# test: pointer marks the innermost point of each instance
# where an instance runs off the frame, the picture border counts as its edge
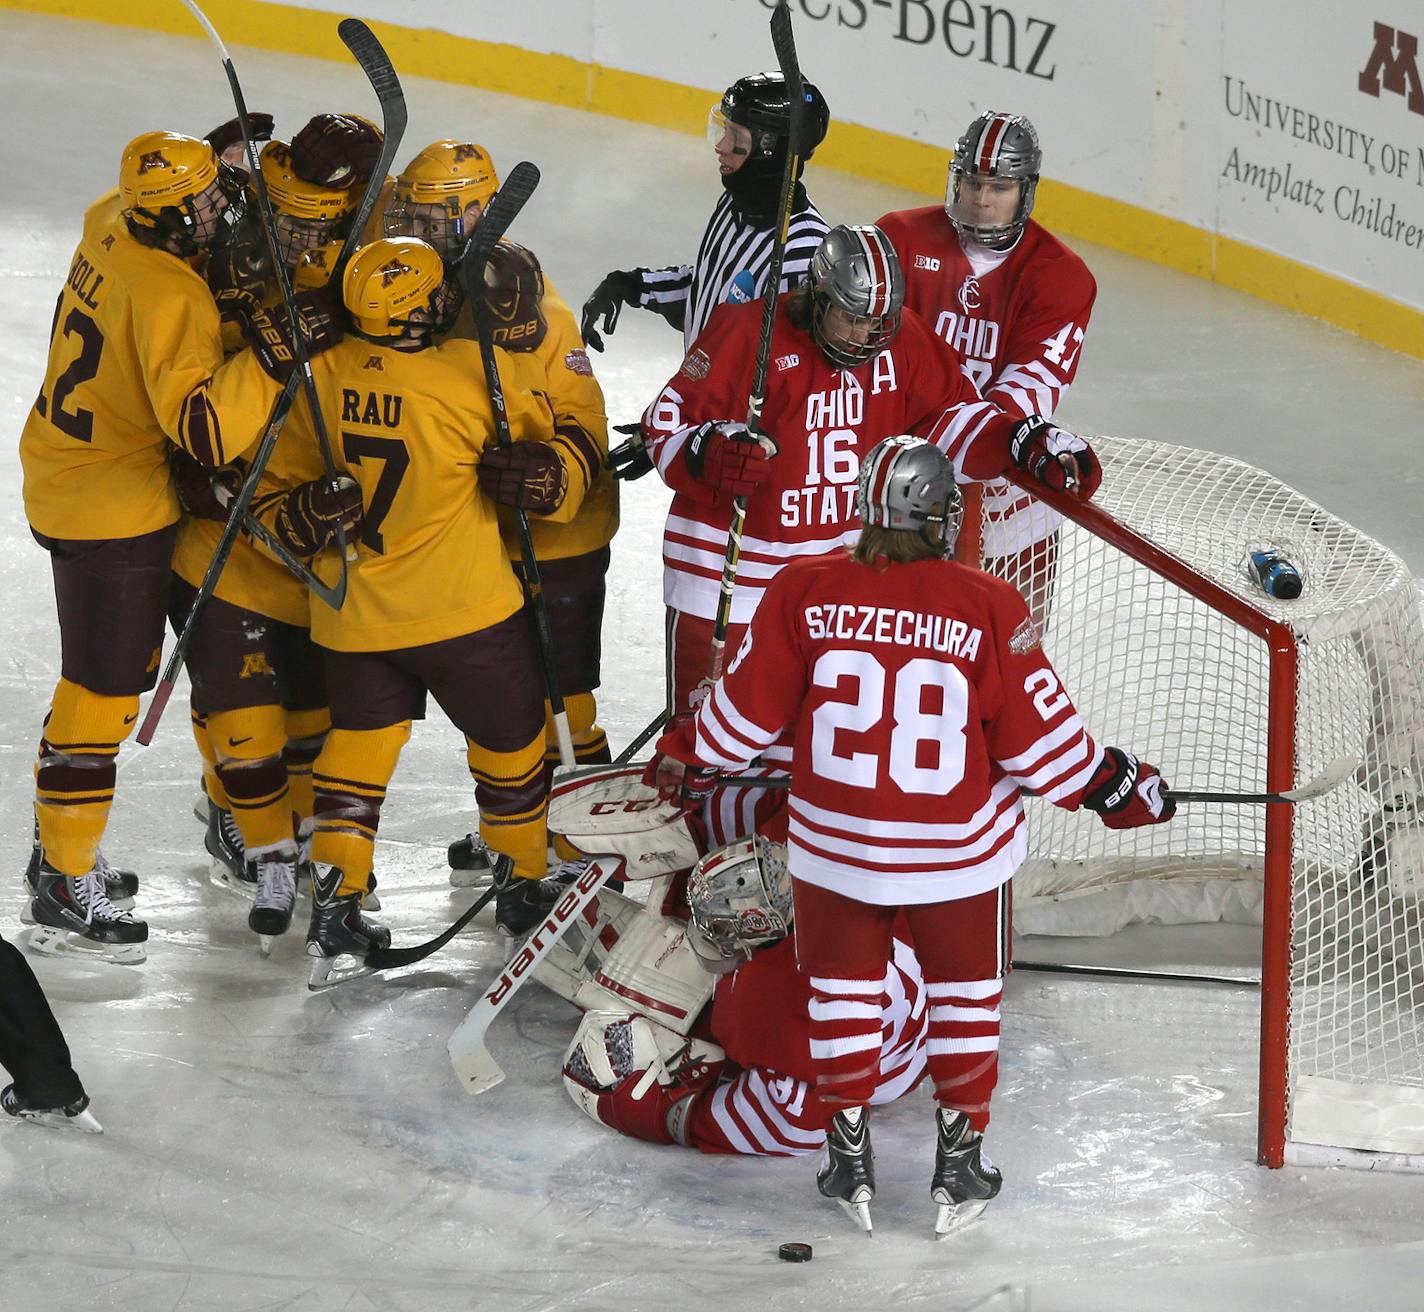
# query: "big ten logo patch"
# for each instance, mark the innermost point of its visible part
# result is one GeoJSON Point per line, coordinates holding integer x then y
{"type": "Point", "coordinates": [927, 262]}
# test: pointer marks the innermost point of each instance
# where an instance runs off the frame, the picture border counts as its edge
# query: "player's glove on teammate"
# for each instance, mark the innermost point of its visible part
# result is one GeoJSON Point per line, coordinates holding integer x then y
{"type": "Point", "coordinates": [1126, 792]}
{"type": "Point", "coordinates": [528, 476]}
{"type": "Point", "coordinates": [202, 492]}
{"type": "Point", "coordinates": [336, 150]}
{"type": "Point", "coordinates": [270, 333]}
{"type": "Point", "coordinates": [308, 515]}
{"type": "Point", "coordinates": [1036, 445]}
{"type": "Point", "coordinates": [728, 456]}
{"type": "Point", "coordinates": [236, 275]}
{"type": "Point", "coordinates": [227, 135]}
{"type": "Point", "coordinates": [621, 287]}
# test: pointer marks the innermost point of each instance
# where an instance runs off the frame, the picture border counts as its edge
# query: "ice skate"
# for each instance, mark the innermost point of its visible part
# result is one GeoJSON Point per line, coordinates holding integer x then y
{"type": "Point", "coordinates": [339, 936]}
{"type": "Point", "coordinates": [120, 885]}
{"type": "Point", "coordinates": [276, 896]}
{"type": "Point", "coordinates": [72, 1116]}
{"type": "Point", "coordinates": [75, 917]}
{"type": "Point", "coordinates": [964, 1177]}
{"type": "Point", "coordinates": [471, 864]}
{"type": "Point", "coordinates": [848, 1172]}
{"type": "Point", "coordinates": [520, 904]}
{"type": "Point", "coordinates": [229, 868]}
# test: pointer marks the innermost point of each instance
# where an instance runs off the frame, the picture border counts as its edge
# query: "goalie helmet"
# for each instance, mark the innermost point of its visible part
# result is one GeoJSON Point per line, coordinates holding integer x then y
{"type": "Point", "coordinates": [740, 900]}
{"type": "Point", "coordinates": [514, 292]}
{"type": "Point", "coordinates": [857, 294]}
{"type": "Point", "coordinates": [432, 193]}
{"type": "Point", "coordinates": [390, 280]}
{"type": "Point", "coordinates": [178, 195]}
{"type": "Point", "coordinates": [307, 216]}
{"type": "Point", "coordinates": [908, 484]}
{"type": "Point", "coordinates": [994, 146]}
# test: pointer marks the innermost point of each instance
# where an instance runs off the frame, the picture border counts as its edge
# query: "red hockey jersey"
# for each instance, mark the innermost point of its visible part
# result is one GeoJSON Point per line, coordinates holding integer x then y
{"type": "Point", "coordinates": [921, 706]}
{"type": "Point", "coordinates": [824, 421]}
{"type": "Point", "coordinates": [1017, 318]}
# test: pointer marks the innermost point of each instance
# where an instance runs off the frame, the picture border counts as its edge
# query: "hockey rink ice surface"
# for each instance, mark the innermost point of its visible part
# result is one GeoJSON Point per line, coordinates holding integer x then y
{"type": "Point", "coordinates": [266, 1147]}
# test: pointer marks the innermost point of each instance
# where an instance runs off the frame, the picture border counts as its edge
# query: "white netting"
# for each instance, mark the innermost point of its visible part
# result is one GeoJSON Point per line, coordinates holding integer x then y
{"type": "Point", "coordinates": [1157, 671]}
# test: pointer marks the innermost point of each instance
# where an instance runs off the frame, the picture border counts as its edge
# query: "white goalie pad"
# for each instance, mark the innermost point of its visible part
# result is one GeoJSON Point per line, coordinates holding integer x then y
{"type": "Point", "coordinates": [617, 956]}
{"type": "Point", "coordinates": [607, 810]}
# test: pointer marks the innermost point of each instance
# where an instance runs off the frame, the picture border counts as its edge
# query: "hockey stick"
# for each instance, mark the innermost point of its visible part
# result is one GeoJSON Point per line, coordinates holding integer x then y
{"type": "Point", "coordinates": [390, 958]}
{"type": "Point", "coordinates": [627, 754]}
{"type": "Point", "coordinates": [299, 569]}
{"type": "Point", "coordinates": [785, 46]}
{"type": "Point", "coordinates": [377, 67]}
{"type": "Point", "coordinates": [332, 595]}
{"type": "Point", "coordinates": [1330, 778]}
{"type": "Point", "coordinates": [476, 1068]}
{"type": "Point", "coordinates": [1122, 972]}
{"type": "Point", "coordinates": [493, 224]}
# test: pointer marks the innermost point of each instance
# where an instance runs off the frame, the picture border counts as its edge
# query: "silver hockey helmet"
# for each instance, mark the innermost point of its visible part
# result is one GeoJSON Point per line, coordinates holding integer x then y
{"type": "Point", "coordinates": [740, 899]}
{"type": "Point", "coordinates": [857, 294]}
{"type": "Point", "coordinates": [1002, 148]}
{"type": "Point", "coordinates": [908, 484]}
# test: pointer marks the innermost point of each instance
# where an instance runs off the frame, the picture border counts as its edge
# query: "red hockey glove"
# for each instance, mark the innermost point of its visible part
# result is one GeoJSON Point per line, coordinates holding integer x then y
{"type": "Point", "coordinates": [269, 332]}
{"type": "Point", "coordinates": [728, 456]}
{"type": "Point", "coordinates": [1126, 792]}
{"type": "Point", "coordinates": [336, 150]}
{"type": "Point", "coordinates": [1041, 449]}
{"type": "Point", "coordinates": [237, 274]}
{"type": "Point", "coordinates": [528, 476]}
{"type": "Point", "coordinates": [308, 516]}
{"type": "Point", "coordinates": [227, 135]}
{"type": "Point", "coordinates": [198, 486]}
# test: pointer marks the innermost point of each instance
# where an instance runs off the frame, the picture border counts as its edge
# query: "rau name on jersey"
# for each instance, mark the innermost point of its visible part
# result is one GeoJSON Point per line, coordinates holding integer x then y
{"type": "Point", "coordinates": [903, 628]}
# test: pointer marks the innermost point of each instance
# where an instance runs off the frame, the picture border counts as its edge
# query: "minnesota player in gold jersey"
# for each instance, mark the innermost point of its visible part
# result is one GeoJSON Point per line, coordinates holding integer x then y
{"type": "Point", "coordinates": [135, 365]}
{"type": "Point", "coordinates": [432, 603]}
{"type": "Point", "coordinates": [440, 197]}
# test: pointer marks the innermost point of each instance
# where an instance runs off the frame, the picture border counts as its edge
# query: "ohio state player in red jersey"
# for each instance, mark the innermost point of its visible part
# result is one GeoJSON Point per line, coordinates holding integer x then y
{"type": "Point", "coordinates": [1014, 303]}
{"type": "Point", "coordinates": [922, 707]}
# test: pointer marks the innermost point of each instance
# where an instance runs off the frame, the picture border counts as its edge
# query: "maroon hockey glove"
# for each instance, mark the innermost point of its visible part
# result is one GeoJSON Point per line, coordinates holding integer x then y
{"type": "Point", "coordinates": [1126, 792]}
{"type": "Point", "coordinates": [727, 456]}
{"type": "Point", "coordinates": [198, 487]}
{"type": "Point", "coordinates": [269, 332]}
{"type": "Point", "coordinates": [310, 512]}
{"type": "Point", "coordinates": [621, 287]}
{"type": "Point", "coordinates": [528, 476]}
{"type": "Point", "coordinates": [336, 150]}
{"type": "Point", "coordinates": [237, 274]}
{"type": "Point", "coordinates": [227, 135]}
{"type": "Point", "coordinates": [1036, 446]}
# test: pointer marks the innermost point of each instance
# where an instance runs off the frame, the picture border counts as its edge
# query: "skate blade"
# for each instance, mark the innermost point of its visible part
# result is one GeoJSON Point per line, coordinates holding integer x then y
{"type": "Point", "coordinates": [327, 972]}
{"type": "Point", "coordinates": [954, 1217]}
{"type": "Point", "coordinates": [200, 809]}
{"type": "Point", "coordinates": [83, 1122]}
{"type": "Point", "coordinates": [264, 944]}
{"type": "Point", "coordinates": [858, 1211]}
{"type": "Point", "coordinates": [371, 902]}
{"type": "Point", "coordinates": [48, 941]}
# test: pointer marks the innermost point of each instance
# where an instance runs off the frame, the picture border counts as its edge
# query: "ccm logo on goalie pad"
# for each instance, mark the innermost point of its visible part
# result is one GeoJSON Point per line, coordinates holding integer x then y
{"type": "Point", "coordinates": [630, 807]}
{"type": "Point", "coordinates": [563, 910]}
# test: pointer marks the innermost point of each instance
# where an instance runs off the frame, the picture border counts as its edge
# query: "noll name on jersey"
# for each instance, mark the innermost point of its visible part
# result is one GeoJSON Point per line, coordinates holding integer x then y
{"type": "Point", "coordinates": [903, 628]}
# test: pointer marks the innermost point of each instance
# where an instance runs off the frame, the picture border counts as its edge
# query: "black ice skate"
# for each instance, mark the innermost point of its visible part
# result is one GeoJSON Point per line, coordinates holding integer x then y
{"type": "Point", "coordinates": [964, 1178]}
{"type": "Point", "coordinates": [275, 898]}
{"type": "Point", "coordinates": [75, 917]}
{"type": "Point", "coordinates": [120, 885]}
{"type": "Point", "coordinates": [471, 862]}
{"type": "Point", "coordinates": [520, 904]}
{"type": "Point", "coordinates": [340, 936]}
{"type": "Point", "coordinates": [229, 868]}
{"type": "Point", "coordinates": [848, 1172]}
{"type": "Point", "coordinates": [72, 1116]}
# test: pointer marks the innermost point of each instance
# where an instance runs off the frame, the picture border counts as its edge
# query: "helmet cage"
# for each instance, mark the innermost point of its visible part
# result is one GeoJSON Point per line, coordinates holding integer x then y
{"type": "Point", "coordinates": [907, 484]}
{"type": "Point", "coordinates": [739, 897]}
{"type": "Point", "coordinates": [196, 223]}
{"type": "Point", "coordinates": [430, 197]}
{"type": "Point", "coordinates": [995, 145]}
{"type": "Point", "coordinates": [855, 270]}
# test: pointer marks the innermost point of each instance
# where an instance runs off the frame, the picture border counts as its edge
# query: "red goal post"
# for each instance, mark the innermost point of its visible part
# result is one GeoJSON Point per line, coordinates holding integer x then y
{"type": "Point", "coordinates": [1171, 650]}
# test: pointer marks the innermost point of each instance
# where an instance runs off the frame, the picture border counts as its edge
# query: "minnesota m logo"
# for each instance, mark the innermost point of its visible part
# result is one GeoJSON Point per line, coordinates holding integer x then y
{"type": "Point", "coordinates": [1394, 65]}
{"type": "Point", "coordinates": [254, 663]}
{"type": "Point", "coordinates": [156, 159]}
{"type": "Point", "coordinates": [467, 152]}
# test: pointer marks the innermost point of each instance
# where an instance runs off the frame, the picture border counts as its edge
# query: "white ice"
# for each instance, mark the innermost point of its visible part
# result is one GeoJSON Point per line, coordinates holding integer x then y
{"type": "Point", "coordinates": [266, 1147]}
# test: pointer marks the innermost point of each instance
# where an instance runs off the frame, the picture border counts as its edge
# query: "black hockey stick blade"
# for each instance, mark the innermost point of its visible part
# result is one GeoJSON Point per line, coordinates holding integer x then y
{"type": "Point", "coordinates": [390, 958]}
{"type": "Point", "coordinates": [1122, 972]}
{"type": "Point", "coordinates": [503, 209]}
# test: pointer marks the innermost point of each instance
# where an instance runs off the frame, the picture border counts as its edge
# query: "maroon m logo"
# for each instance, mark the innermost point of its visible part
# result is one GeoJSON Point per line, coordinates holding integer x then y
{"type": "Point", "coordinates": [1394, 65]}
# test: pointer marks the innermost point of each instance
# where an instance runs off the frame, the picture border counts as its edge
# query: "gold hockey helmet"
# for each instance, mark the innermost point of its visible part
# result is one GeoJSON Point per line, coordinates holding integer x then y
{"type": "Point", "coordinates": [389, 280]}
{"type": "Point", "coordinates": [307, 215]}
{"type": "Point", "coordinates": [314, 267]}
{"type": "Point", "coordinates": [432, 193]}
{"type": "Point", "coordinates": [176, 191]}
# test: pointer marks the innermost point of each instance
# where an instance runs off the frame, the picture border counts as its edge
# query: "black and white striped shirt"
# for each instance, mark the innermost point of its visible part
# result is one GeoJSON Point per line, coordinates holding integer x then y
{"type": "Point", "coordinates": [732, 245]}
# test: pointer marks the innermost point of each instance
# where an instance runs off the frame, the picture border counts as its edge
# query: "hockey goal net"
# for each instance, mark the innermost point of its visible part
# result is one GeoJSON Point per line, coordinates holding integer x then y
{"type": "Point", "coordinates": [1170, 649]}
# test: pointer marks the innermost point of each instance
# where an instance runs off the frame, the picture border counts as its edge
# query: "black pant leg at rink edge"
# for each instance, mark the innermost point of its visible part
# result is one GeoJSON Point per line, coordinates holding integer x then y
{"type": "Point", "coordinates": [32, 1047]}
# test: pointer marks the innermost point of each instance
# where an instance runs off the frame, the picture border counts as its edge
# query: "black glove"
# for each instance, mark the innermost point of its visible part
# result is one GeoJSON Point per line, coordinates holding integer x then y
{"type": "Point", "coordinates": [310, 512]}
{"type": "Point", "coordinates": [227, 135]}
{"type": "Point", "coordinates": [620, 288]}
{"type": "Point", "coordinates": [336, 150]}
{"type": "Point", "coordinates": [269, 332]}
{"type": "Point", "coordinates": [1126, 792]}
{"type": "Point", "coordinates": [527, 475]}
{"type": "Point", "coordinates": [630, 460]}
{"type": "Point", "coordinates": [199, 487]}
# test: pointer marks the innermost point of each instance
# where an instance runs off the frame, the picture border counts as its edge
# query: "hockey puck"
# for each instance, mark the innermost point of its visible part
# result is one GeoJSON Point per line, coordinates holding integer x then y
{"type": "Point", "coordinates": [794, 1252]}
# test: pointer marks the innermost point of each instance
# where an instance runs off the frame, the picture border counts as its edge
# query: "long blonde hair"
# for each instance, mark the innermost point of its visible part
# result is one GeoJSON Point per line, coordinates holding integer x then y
{"type": "Point", "coordinates": [896, 546]}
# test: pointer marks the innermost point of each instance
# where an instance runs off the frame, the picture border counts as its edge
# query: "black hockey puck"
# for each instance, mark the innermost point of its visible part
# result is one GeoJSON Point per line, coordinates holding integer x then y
{"type": "Point", "coordinates": [794, 1252]}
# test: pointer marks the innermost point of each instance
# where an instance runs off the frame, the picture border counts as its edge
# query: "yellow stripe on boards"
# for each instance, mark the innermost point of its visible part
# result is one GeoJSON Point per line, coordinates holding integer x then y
{"type": "Point", "coordinates": [863, 152]}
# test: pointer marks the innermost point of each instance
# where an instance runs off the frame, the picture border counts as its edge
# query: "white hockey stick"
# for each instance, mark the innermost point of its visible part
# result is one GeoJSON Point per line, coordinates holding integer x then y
{"type": "Point", "coordinates": [477, 1069]}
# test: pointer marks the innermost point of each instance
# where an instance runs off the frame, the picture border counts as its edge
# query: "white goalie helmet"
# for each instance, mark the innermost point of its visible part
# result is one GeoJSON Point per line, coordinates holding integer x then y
{"type": "Point", "coordinates": [907, 483]}
{"type": "Point", "coordinates": [740, 899]}
{"type": "Point", "coordinates": [992, 179]}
